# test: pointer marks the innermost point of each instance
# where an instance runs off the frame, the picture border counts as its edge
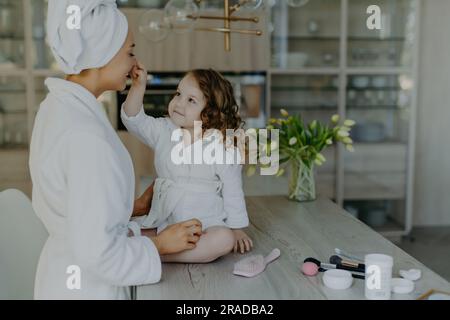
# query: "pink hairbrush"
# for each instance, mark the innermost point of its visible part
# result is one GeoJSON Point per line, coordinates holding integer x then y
{"type": "Point", "coordinates": [255, 264]}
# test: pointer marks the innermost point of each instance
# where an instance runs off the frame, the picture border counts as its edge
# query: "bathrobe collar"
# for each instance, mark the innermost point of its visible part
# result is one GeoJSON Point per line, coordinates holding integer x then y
{"type": "Point", "coordinates": [61, 87]}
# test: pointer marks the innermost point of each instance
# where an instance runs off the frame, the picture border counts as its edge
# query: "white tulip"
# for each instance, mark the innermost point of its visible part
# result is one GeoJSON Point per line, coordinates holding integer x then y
{"type": "Point", "coordinates": [345, 128]}
{"type": "Point", "coordinates": [320, 157]}
{"type": "Point", "coordinates": [292, 141]}
{"type": "Point", "coordinates": [347, 140]}
{"type": "Point", "coordinates": [350, 148]}
{"type": "Point", "coordinates": [284, 113]}
{"type": "Point", "coordinates": [343, 133]}
{"type": "Point", "coordinates": [335, 118]}
{"type": "Point", "coordinates": [349, 123]}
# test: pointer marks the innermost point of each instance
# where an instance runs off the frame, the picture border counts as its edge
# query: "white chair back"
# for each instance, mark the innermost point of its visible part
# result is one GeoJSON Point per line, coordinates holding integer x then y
{"type": "Point", "coordinates": [22, 237]}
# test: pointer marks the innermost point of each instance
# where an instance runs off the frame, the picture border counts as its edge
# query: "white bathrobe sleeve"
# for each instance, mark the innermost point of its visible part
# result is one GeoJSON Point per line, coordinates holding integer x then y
{"type": "Point", "coordinates": [145, 127]}
{"type": "Point", "coordinates": [233, 195]}
{"type": "Point", "coordinates": [97, 213]}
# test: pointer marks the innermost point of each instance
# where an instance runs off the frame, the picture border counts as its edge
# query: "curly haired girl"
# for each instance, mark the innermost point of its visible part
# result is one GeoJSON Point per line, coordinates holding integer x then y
{"type": "Point", "coordinates": [208, 190]}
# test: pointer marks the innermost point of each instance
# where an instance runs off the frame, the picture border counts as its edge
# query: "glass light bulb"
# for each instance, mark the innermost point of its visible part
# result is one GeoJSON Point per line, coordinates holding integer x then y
{"type": "Point", "coordinates": [297, 3]}
{"type": "Point", "coordinates": [181, 15]}
{"type": "Point", "coordinates": [251, 4]}
{"type": "Point", "coordinates": [154, 25]}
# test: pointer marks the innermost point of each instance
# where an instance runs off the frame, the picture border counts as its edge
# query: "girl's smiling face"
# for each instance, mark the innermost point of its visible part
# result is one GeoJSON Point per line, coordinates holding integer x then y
{"type": "Point", "coordinates": [187, 103]}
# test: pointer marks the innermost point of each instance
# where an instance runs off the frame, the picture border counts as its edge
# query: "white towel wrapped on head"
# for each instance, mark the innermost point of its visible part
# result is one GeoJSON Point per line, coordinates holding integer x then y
{"type": "Point", "coordinates": [103, 30]}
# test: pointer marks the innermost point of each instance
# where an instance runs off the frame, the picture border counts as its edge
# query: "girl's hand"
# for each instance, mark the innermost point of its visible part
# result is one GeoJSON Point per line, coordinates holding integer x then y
{"type": "Point", "coordinates": [139, 75]}
{"type": "Point", "coordinates": [243, 243]}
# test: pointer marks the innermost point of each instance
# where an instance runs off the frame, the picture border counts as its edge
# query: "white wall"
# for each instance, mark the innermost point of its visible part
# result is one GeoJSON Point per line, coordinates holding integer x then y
{"type": "Point", "coordinates": [432, 171]}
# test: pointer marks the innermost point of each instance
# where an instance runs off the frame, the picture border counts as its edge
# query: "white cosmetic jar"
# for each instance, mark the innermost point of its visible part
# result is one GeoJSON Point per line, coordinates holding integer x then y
{"type": "Point", "coordinates": [337, 279]}
{"type": "Point", "coordinates": [402, 286]}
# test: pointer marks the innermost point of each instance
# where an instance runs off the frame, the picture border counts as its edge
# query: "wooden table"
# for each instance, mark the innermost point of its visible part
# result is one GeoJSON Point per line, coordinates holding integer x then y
{"type": "Point", "coordinates": [299, 230]}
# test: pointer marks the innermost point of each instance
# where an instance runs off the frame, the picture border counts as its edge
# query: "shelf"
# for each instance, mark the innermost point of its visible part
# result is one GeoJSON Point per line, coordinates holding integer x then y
{"type": "Point", "coordinates": [280, 88]}
{"type": "Point", "coordinates": [203, 7]}
{"type": "Point", "coordinates": [391, 229]}
{"type": "Point", "coordinates": [333, 38]}
{"type": "Point", "coordinates": [12, 38]}
{"type": "Point", "coordinates": [306, 108]}
{"type": "Point", "coordinates": [373, 192]}
{"type": "Point", "coordinates": [391, 144]}
{"type": "Point", "coordinates": [388, 39]}
{"type": "Point", "coordinates": [361, 187]}
{"type": "Point", "coordinates": [337, 71]}
{"type": "Point", "coordinates": [306, 38]}
{"type": "Point", "coordinates": [8, 151]}
{"type": "Point", "coordinates": [47, 73]}
{"type": "Point", "coordinates": [374, 107]}
{"type": "Point", "coordinates": [375, 88]}
{"type": "Point", "coordinates": [128, 6]}
{"type": "Point", "coordinates": [6, 112]}
{"type": "Point", "coordinates": [12, 90]}
{"type": "Point", "coordinates": [12, 72]}
{"type": "Point", "coordinates": [305, 71]}
{"type": "Point", "coordinates": [377, 70]}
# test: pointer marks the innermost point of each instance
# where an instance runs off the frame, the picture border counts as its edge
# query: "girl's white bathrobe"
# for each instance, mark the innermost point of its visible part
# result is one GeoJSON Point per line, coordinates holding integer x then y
{"type": "Point", "coordinates": [204, 188]}
{"type": "Point", "coordinates": [83, 191]}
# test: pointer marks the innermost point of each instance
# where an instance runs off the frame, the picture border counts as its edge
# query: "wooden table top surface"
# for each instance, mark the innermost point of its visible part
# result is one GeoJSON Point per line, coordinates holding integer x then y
{"type": "Point", "coordinates": [299, 230]}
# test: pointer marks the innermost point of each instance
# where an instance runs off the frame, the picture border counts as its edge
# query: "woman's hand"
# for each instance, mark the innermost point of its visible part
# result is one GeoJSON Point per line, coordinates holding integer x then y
{"type": "Point", "coordinates": [139, 76]}
{"type": "Point", "coordinates": [178, 237]}
{"type": "Point", "coordinates": [243, 243]}
{"type": "Point", "coordinates": [143, 204]}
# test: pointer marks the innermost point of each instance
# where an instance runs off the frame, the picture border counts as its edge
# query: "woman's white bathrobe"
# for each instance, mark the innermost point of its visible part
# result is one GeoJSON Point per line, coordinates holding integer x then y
{"type": "Point", "coordinates": [202, 189]}
{"type": "Point", "coordinates": [83, 191]}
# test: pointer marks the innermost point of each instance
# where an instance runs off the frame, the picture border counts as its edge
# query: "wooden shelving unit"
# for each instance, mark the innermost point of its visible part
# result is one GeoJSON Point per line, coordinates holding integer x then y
{"type": "Point", "coordinates": [377, 171]}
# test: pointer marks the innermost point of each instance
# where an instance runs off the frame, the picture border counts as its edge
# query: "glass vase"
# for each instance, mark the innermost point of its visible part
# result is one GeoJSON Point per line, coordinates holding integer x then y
{"type": "Point", "coordinates": [302, 186]}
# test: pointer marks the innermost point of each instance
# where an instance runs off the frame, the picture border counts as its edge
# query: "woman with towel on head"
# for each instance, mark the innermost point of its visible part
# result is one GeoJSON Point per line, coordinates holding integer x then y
{"type": "Point", "coordinates": [83, 179]}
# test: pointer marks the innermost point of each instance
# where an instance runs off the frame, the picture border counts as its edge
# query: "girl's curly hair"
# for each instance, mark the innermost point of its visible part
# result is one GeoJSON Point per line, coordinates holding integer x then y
{"type": "Point", "coordinates": [221, 111]}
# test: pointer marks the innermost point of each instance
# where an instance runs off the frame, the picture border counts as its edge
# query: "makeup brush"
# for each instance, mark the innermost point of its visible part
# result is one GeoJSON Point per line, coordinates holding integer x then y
{"type": "Point", "coordinates": [347, 255]}
{"type": "Point", "coordinates": [334, 266]}
{"type": "Point", "coordinates": [311, 269]}
{"type": "Point", "coordinates": [338, 260]}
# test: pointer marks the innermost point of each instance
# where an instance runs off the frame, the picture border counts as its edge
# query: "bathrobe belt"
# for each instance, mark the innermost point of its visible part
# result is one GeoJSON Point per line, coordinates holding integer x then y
{"type": "Point", "coordinates": [167, 193]}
